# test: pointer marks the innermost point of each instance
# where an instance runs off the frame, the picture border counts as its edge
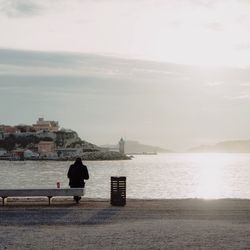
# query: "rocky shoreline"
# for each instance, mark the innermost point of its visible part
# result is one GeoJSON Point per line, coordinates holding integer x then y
{"type": "Point", "coordinates": [87, 156]}
{"type": "Point", "coordinates": [103, 156]}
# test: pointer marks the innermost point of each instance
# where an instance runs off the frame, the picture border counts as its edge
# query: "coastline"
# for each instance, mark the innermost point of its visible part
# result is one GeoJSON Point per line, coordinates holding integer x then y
{"type": "Point", "coordinates": [141, 224]}
{"type": "Point", "coordinates": [87, 156]}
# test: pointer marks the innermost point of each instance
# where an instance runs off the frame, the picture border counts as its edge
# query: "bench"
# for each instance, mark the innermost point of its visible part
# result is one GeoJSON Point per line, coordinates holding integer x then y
{"type": "Point", "coordinates": [48, 192]}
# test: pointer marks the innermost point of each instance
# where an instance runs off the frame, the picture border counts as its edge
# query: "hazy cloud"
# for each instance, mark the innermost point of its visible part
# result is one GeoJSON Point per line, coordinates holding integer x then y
{"type": "Point", "coordinates": [213, 84]}
{"type": "Point", "coordinates": [243, 46]}
{"type": "Point", "coordinates": [215, 26]}
{"type": "Point", "coordinates": [185, 31]}
{"type": "Point", "coordinates": [238, 97]}
{"type": "Point", "coordinates": [20, 8]}
{"type": "Point", "coordinates": [145, 100]}
{"type": "Point", "coordinates": [21, 62]}
{"type": "Point", "coordinates": [245, 84]}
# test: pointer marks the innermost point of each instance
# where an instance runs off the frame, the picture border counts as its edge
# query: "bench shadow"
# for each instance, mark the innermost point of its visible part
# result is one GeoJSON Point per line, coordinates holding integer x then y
{"type": "Point", "coordinates": [103, 216]}
{"type": "Point", "coordinates": [58, 213]}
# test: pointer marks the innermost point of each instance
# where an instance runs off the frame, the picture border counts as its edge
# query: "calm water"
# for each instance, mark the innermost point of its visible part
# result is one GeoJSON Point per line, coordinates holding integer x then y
{"type": "Point", "coordinates": [148, 176]}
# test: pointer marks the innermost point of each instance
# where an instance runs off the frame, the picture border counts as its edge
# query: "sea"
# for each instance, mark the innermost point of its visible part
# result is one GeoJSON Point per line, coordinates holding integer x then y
{"type": "Point", "coordinates": [161, 176]}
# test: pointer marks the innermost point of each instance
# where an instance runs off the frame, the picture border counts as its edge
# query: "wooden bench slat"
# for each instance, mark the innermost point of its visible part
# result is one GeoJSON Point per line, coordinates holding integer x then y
{"type": "Point", "coordinates": [37, 192]}
{"type": "Point", "coordinates": [42, 192]}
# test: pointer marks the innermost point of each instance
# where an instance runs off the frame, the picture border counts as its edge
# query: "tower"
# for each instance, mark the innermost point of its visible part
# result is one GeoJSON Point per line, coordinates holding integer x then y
{"type": "Point", "coordinates": [122, 146]}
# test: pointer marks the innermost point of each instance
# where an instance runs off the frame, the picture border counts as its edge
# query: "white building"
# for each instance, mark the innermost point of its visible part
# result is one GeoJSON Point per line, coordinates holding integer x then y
{"type": "Point", "coordinates": [41, 124]}
{"type": "Point", "coordinates": [2, 151]}
{"type": "Point", "coordinates": [28, 154]}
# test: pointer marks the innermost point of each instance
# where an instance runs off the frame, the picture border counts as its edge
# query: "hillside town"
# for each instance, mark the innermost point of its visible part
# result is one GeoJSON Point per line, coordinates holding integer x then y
{"type": "Point", "coordinates": [45, 140]}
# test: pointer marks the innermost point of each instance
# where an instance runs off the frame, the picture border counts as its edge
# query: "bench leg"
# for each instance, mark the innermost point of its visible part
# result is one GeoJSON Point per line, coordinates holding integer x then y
{"type": "Point", "coordinates": [49, 199]}
{"type": "Point", "coordinates": [3, 198]}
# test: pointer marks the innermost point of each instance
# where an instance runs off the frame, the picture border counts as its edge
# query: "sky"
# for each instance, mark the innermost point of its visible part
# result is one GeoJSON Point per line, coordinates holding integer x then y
{"type": "Point", "coordinates": [174, 74]}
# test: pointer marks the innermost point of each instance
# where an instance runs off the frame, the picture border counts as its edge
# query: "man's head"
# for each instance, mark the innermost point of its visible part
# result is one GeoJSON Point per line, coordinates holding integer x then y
{"type": "Point", "coordinates": [78, 161]}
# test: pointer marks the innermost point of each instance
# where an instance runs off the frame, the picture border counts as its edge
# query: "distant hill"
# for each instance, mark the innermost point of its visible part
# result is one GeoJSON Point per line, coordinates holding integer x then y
{"type": "Point", "coordinates": [138, 148]}
{"type": "Point", "coordinates": [237, 146]}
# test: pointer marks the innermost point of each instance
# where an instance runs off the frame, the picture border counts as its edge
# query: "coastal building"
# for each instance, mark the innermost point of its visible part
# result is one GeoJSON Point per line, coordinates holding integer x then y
{"type": "Point", "coordinates": [122, 146]}
{"type": "Point", "coordinates": [17, 154]}
{"type": "Point", "coordinates": [43, 125]}
{"type": "Point", "coordinates": [29, 154]}
{"type": "Point", "coordinates": [46, 148]}
{"type": "Point", "coordinates": [23, 128]}
{"type": "Point", "coordinates": [2, 151]}
{"type": "Point", "coordinates": [119, 147]}
{"type": "Point", "coordinates": [6, 129]}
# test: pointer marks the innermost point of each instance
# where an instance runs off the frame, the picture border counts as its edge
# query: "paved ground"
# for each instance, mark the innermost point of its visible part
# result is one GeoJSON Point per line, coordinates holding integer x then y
{"type": "Point", "coordinates": [141, 224]}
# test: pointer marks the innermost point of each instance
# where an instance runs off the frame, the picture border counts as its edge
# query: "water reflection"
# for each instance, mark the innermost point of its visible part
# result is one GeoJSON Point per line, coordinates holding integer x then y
{"type": "Point", "coordinates": [166, 176]}
{"type": "Point", "coordinates": [211, 176]}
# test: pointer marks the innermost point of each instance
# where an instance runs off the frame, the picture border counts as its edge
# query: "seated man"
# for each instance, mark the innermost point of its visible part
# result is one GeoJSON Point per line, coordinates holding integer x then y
{"type": "Point", "coordinates": [77, 174]}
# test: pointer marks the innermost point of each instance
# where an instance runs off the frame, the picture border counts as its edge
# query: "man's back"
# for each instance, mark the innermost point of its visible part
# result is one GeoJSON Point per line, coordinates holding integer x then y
{"type": "Point", "coordinates": [77, 174]}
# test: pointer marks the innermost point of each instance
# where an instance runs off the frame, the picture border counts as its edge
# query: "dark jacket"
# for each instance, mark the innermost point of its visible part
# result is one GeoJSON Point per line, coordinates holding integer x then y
{"type": "Point", "coordinates": [77, 174]}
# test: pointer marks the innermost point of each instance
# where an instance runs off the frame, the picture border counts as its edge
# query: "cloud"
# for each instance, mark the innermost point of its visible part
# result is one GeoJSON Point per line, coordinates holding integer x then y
{"type": "Point", "coordinates": [20, 8]}
{"type": "Point", "coordinates": [213, 84]}
{"type": "Point", "coordinates": [23, 62]}
{"type": "Point", "coordinates": [245, 84]}
{"type": "Point", "coordinates": [215, 26]}
{"type": "Point", "coordinates": [26, 64]}
{"type": "Point", "coordinates": [238, 97]}
{"type": "Point", "coordinates": [243, 46]}
{"type": "Point", "coordinates": [93, 89]}
{"type": "Point", "coordinates": [208, 4]}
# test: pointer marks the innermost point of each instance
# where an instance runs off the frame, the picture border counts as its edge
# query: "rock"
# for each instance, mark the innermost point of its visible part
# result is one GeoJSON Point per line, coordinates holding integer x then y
{"type": "Point", "coordinates": [102, 155]}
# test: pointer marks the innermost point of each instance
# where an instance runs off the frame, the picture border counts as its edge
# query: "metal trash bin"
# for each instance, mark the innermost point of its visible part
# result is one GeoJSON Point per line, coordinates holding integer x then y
{"type": "Point", "coordinates": [118, 191]}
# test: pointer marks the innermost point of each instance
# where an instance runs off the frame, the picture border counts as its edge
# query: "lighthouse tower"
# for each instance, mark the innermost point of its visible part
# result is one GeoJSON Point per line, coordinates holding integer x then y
{"type": "Point", "coordinates": [122, 146]}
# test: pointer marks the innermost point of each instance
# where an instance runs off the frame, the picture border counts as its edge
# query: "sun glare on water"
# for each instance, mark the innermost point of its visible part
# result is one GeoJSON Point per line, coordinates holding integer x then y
{"type": "Point", "coordinates": [210, 176]}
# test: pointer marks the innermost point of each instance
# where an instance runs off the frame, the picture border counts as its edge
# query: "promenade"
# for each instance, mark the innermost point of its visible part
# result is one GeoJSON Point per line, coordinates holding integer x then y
{"type": "Point", "coordinates": [141, 224]}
